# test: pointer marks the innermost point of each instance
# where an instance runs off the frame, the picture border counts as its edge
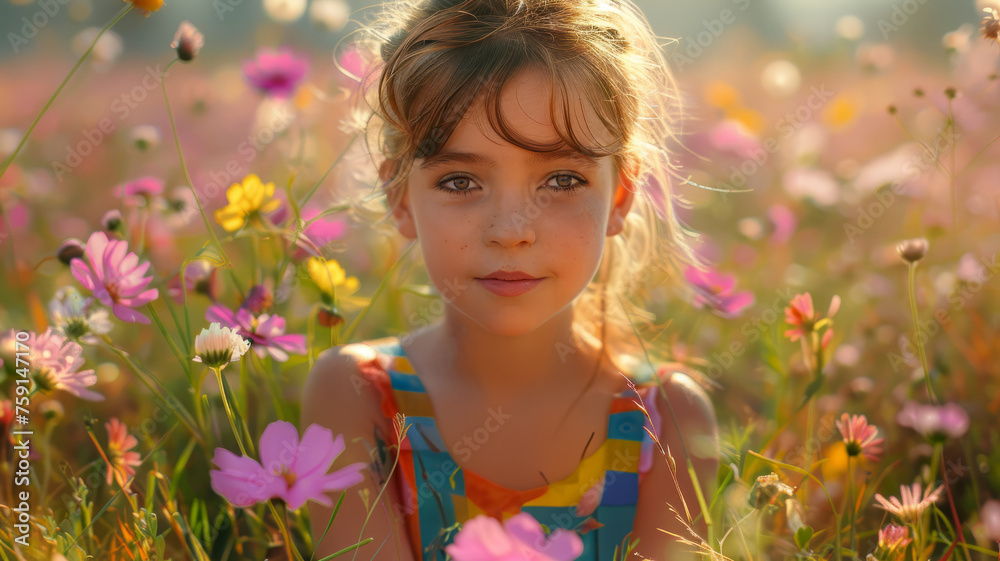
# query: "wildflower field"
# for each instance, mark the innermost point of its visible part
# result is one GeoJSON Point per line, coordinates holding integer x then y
{"type": "Point", "coordinates": [183, 233]}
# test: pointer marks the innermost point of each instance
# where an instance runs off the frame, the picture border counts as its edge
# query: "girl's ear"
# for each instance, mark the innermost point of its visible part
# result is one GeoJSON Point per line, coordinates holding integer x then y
{"type": "Point", "coordinates": [624, 195]}
{"type": "Point", "coordinates": [399, 200]}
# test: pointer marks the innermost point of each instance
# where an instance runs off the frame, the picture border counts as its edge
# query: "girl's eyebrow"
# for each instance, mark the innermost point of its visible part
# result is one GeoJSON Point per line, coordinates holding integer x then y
{"type": "Point", "coordinates": [444, 158]}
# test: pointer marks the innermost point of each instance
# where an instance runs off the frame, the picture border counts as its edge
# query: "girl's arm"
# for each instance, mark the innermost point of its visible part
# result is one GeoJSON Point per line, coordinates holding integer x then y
{"type": "Point", "coordinates": [338, 397]}
{"type": "Point", "coordinates": [696, 419]}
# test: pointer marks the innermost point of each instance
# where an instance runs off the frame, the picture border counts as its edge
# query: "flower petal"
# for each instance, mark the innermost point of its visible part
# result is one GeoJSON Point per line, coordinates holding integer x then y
{"type": "Point", "coordinates": [279, 446]}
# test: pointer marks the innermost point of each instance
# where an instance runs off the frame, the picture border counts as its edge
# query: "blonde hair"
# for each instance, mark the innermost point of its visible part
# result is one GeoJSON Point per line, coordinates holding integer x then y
{"type": "Point", "coordinates": [436, 57]}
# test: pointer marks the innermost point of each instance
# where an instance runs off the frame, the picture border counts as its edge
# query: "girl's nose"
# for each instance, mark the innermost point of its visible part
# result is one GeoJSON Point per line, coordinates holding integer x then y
{"type": "Point", "coordinates": [512, 222]}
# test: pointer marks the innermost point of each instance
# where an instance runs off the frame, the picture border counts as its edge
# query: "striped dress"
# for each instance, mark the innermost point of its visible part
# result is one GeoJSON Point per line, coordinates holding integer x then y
{"type": "Point", "coordinates": [598, 500]}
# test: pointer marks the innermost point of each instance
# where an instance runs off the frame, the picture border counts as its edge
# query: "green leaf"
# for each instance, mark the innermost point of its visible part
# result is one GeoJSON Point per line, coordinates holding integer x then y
{"type": "Point", "coordinates": [802, 536]}
{"type": "Point", "coordinates": [812, 389]}
{"type": "Point", "coordinates": [419, 289]}
{"type": "Point", "coordinates": [210, 253]}
{"type": "Point", "coordinates": [769, 353]}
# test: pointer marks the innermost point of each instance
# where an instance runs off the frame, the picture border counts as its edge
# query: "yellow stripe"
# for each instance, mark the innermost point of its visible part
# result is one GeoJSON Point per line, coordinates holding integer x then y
{"type": "Point", "coordinates": [403, 366]}
{"type": "Point", "coordinates": [614, 454]}
{"type": "Point", "coordinates": [413, 404]}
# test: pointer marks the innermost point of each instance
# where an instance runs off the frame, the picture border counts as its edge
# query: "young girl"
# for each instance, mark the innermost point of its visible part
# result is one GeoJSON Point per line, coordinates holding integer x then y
{"type": "Point", "coordinates": [522, 146]}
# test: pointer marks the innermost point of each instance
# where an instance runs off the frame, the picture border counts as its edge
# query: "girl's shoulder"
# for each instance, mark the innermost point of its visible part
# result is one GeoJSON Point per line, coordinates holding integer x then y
{"type": "Point", "coordinates": [673, 386]}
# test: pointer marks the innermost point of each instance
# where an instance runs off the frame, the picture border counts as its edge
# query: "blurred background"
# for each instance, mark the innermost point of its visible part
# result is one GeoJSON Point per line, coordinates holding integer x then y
{"type": "Point", "coordinates": [855, 123]}
{"type": "Point", "coordinates": [235, 26]}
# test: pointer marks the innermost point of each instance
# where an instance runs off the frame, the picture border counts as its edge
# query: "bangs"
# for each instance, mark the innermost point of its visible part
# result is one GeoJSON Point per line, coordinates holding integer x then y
{"type": "Point", "coordinates": [451, 79]}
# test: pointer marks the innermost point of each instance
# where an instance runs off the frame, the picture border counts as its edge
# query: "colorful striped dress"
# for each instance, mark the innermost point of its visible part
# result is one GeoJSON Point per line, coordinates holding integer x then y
{"type": "Point", "coordinates": [598, 500]}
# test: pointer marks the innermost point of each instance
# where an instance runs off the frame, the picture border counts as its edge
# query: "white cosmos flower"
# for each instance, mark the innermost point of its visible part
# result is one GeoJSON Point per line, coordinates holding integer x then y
{"type": "Point", "coordinates": [218, 346]}
{"type": "Point", "coordinates": [285, 11]}
{"type": "Point", "coordinates": [74, 316]}
{"type": "Point", "coordinates": [331, 15]}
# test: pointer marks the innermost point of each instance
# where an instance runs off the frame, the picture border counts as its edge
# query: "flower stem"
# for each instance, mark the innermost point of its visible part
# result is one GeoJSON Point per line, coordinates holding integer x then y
{"type": "Point", "coordinates": [916, 332]}
{"type": "Point", "coordinates": [187, 176]}
{"type": "Point", "coordinates": [171, 403]}
{"type": "Point", "coordinates": [292, 552]}
{"type": "Point", "coordinates": [229, 411]}
{"type": "Point", "coordinates": [170, 341]}
{"type": "Point", "coordinates": [10, 160]}
{"type": "Point", "coordinates": [319, 182]}
{"type": "Point", "coordinates": [850, 486]}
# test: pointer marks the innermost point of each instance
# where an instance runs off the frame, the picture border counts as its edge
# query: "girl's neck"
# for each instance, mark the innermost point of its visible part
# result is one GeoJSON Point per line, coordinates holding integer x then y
{"type": "Point", "coordinates": [544, 359]}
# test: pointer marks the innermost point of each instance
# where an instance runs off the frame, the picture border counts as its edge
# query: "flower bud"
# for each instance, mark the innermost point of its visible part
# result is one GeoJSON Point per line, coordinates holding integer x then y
{"type": "Point", "coordinates": [144, 137]}
{"type": "Point", "coordinates": [912, 250]}
{"type": "Point", "coordinates": [69, 250]}
{"type": "Point", "coordinates": [328, 317]}
{"type": "Point", "coordinates": [259, 300]}
{"type": "Point", "coordinates": [112, 220]}
{"type": "Point", "coordinates": [188, 41]}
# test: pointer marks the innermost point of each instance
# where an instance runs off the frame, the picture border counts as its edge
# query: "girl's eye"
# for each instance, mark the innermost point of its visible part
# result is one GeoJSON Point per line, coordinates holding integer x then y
{"type": "Point", "coordinates": [463, 185]}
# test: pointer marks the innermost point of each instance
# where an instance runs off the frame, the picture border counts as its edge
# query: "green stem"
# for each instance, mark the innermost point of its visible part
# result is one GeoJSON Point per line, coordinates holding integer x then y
{"type": "Point", "coordinates": [187, 176]}
{"type": "Point", "coordinates": [181, 333]}
{"type": "Point", "coordinates": [229, 411]}
{"type": "Point", "coordinates": [328, 170]}
{"type": "Point", "coordinates": [850, 485]}
{"type": "Point", "coordinates": [174, 406]}
{"type": "Point", "coordinates": [292, 552]}
{"type": "Point", "coordinates": [916, 332]}
{"type": "Point", "coordinates": [3, 168]}
{"type": "Point", "coordinates": [170, 341]}
{"type": "Point", "coordinates": [142, 230]}
{"type": "Point", "coordinates": [254, 258]}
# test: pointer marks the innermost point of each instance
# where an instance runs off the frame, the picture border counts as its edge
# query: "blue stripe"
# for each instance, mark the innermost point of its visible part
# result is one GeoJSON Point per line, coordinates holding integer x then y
{"type": "Point", "coordinates": [627, 425]}
{"type": "Point", "coordinates": [620, 488]}
{"type": "Point", "coordinates": [406, 382]}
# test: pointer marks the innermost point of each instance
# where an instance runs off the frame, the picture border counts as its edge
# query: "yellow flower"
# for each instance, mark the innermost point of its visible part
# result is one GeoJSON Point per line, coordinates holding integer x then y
{"type": "Point", "coordinates": [841, 112]}
{"type": "Point", "coordinates": [147, 6]}
{"type": "Point", "coordinates": [328, 275]}
{"type": "Point", "coordinates": [246, 202]}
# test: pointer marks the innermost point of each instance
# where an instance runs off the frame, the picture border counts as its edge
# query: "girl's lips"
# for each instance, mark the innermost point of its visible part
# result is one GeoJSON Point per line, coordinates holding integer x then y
{"type": "Point", "coordinates": [508, 288]}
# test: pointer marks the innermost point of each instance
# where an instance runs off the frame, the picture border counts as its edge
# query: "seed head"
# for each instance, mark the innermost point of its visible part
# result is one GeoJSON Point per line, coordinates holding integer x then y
{"type": "Point", "coordinates": [912, 250]}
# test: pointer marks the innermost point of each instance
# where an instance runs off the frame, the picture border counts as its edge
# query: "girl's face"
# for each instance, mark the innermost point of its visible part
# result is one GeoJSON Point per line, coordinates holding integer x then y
{"type": "Point", "coordinates": [483, 205]}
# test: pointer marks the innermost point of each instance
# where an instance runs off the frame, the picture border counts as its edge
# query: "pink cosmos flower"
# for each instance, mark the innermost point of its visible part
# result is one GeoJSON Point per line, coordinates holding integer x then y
{"type": "Point", "coordinates": [784, 222]}
{"type": "Point", "coordinates": [115, 278]}
{"type": "Point", "coordinates": [912, 504]}
{"type": "Point", "coordinates": [276, 73]}
{"type": "Point", "coordinates": [521, 538]}
{"type": "Point", "coordinates": [859, 436]}
{"type": "Point", "coordinates": [734, 137]}
{"type": "Point", "coordinates": [802, 316]}
{"type": "Point", "coordinates": [56, 361]}
{"type": "Point", "coordinates": [892, 542]}
{"type": "Point", "coordinates": [934, 422]}
{"type": "Point", "coordinates": [990, 516]}
{"type": "Point", "coordinates": [291, 470]}
{"type": "Point", "coordinates": [715, 289]}
{"type": "Point", "coordinates": [140, 191]}
{"type": "Point", "coordinates": [121, 461]}
{"type": "Point", "coordinates": [319, 233]}
{"type": "Point", "coordinates": [266, 331]}
{"type": "Point", "coordinates": [355, 66]}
